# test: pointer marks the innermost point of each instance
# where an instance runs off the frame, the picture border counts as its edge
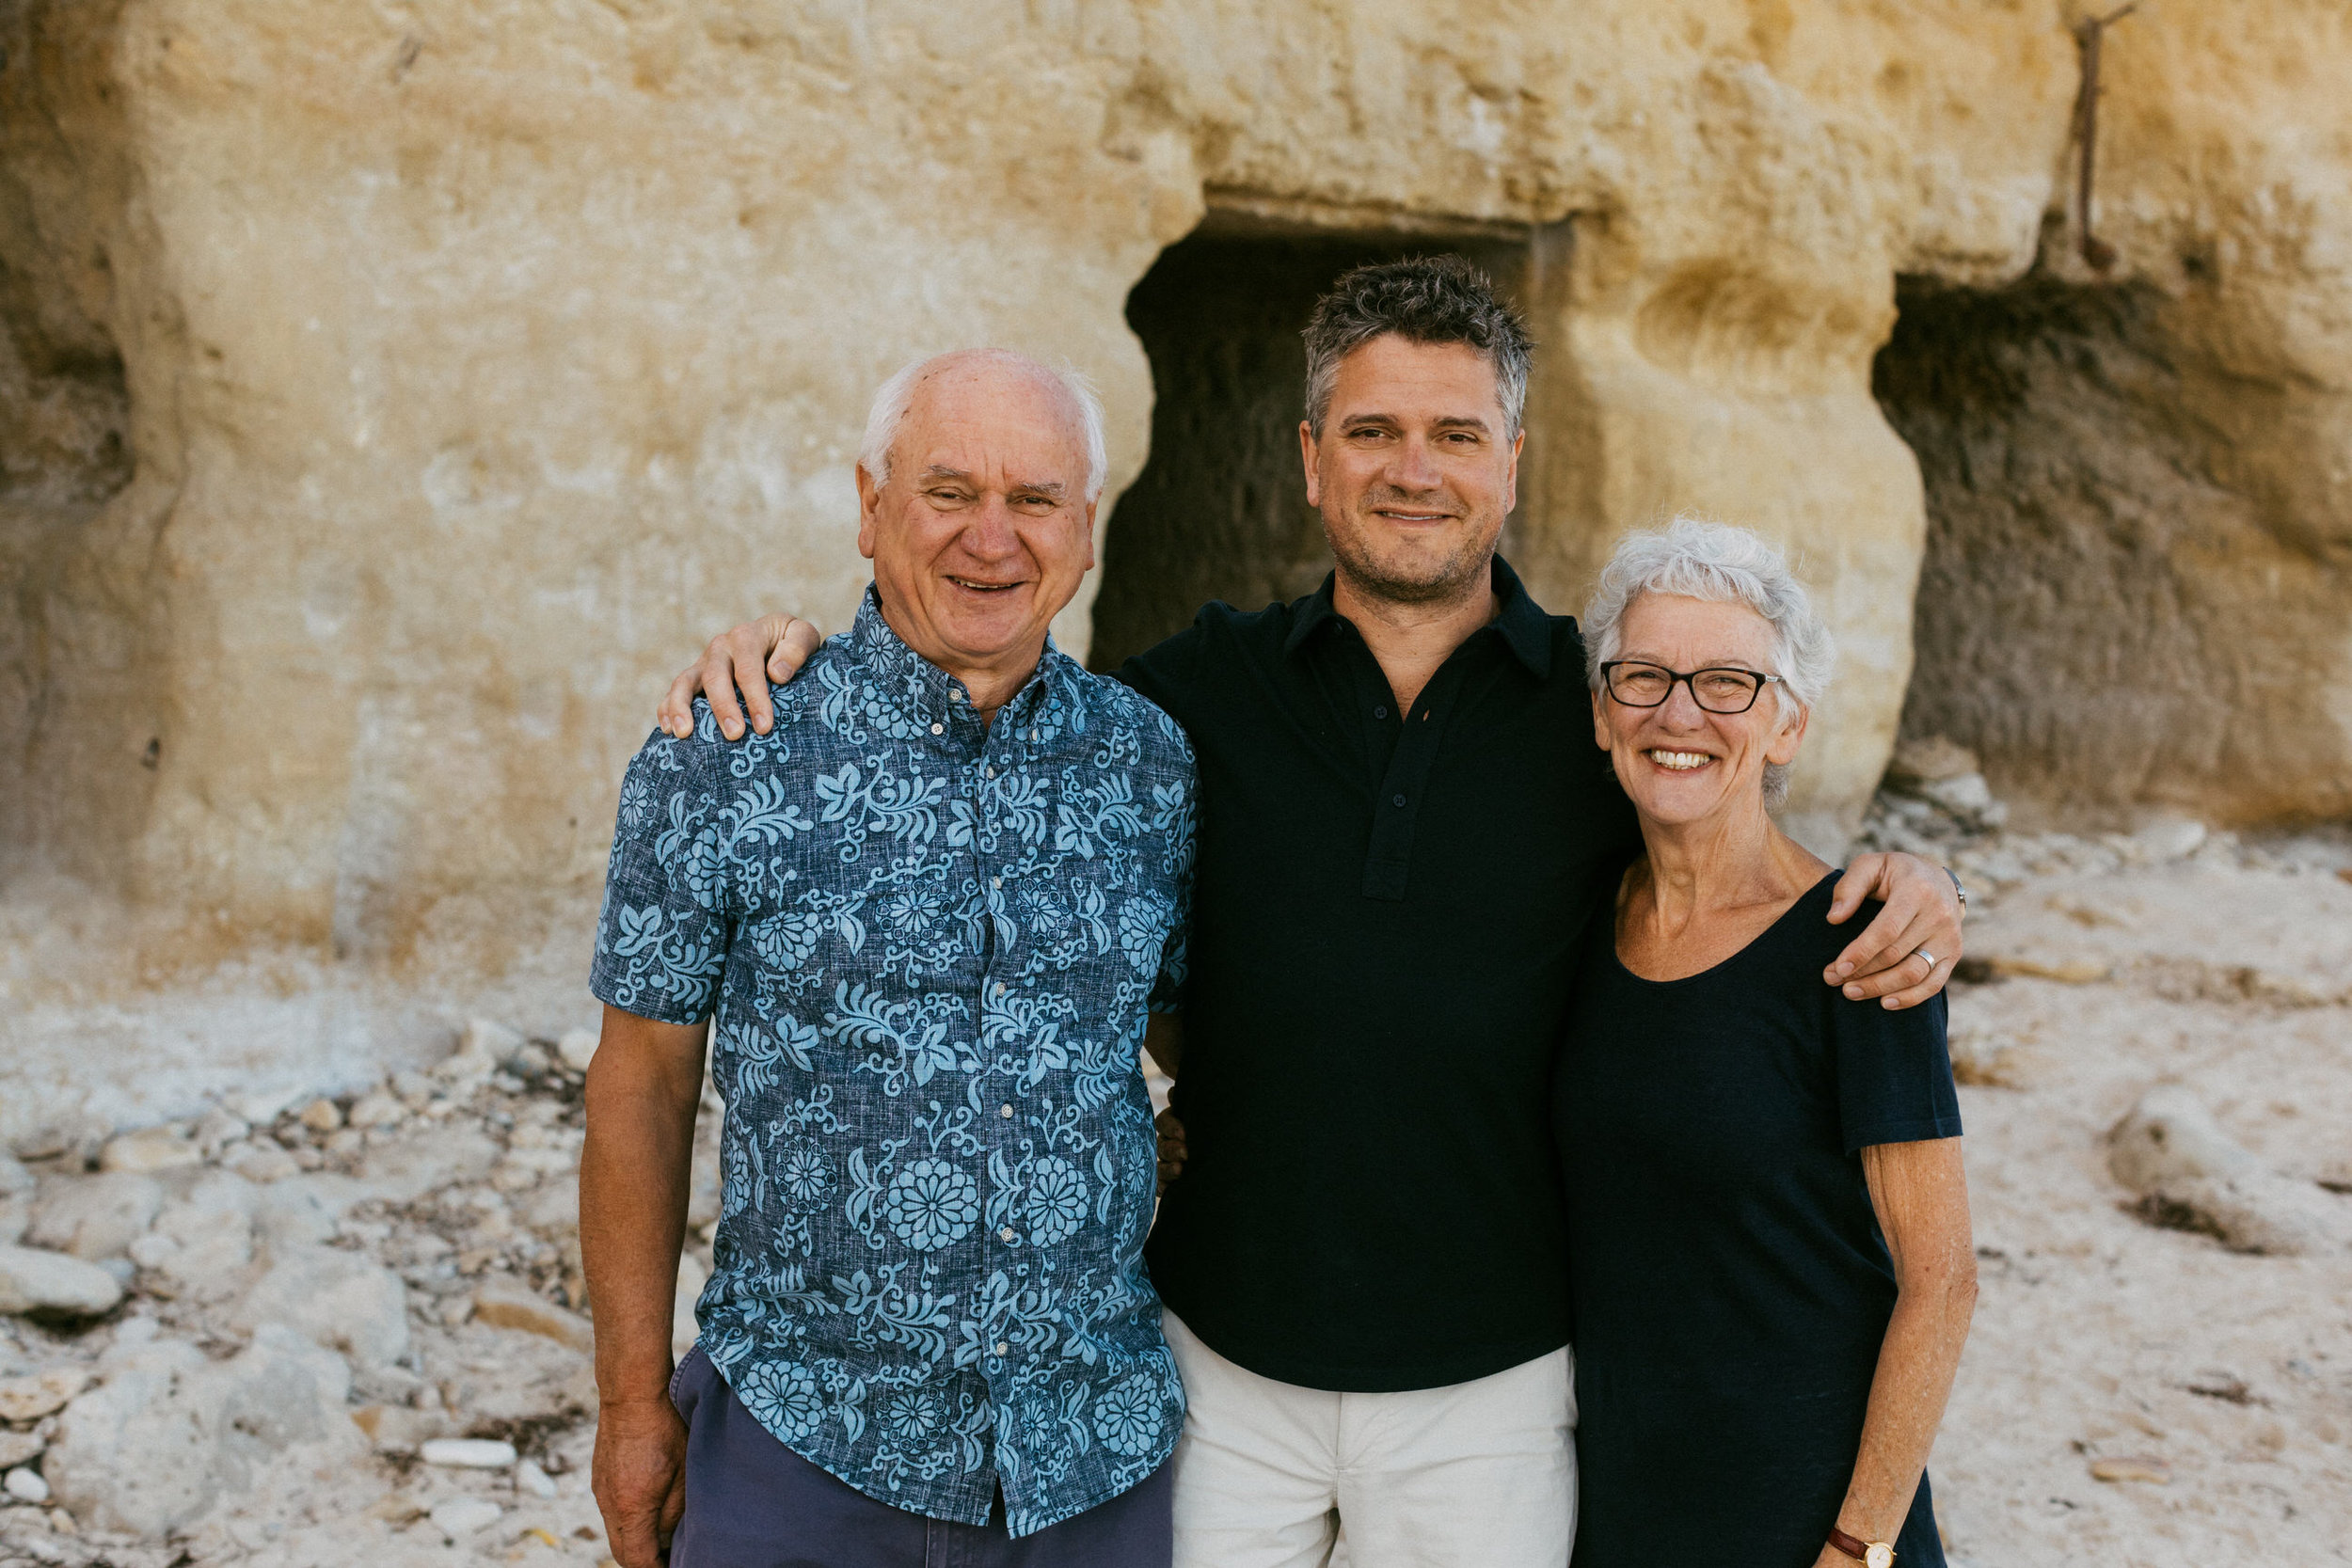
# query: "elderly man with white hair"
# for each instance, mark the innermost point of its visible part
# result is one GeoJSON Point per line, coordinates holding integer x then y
{"type": "Point", "coordinates": [932, 908]}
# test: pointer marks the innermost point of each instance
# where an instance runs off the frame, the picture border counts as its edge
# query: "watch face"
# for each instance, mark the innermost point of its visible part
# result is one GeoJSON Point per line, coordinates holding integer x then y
{"type": "Point", "coordinates": [1880, 1555]}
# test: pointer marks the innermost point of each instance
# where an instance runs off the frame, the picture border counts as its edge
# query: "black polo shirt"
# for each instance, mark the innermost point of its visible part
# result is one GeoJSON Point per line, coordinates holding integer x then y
{"type": "Point", "coordinates": [1385, 931]}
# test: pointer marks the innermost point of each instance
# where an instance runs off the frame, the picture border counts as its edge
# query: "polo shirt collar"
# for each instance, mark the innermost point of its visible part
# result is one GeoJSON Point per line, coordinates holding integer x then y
{"type": "Point", "coordinates": [1521, 622]}
{"type": "Point", "coordinates": [924, 691]}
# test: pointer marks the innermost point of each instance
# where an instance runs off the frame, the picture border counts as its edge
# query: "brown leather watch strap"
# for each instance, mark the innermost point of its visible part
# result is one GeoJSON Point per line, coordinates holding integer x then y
{"type": "Point", "coordinates": [1858, 1550]}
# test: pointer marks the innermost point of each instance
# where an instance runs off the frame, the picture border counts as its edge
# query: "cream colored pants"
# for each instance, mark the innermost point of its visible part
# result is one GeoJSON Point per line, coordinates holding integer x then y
{"type": "Point", "coordinates": [1269, 1475]}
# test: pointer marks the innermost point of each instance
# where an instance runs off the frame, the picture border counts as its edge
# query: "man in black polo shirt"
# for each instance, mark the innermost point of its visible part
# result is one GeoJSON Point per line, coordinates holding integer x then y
{"type": "Point", "coordinates": [1405, 832]}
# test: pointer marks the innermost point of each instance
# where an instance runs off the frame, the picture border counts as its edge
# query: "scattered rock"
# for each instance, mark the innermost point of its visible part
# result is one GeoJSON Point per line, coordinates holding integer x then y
{"type": "Point", "coordinates": [463, 1516]}
{"type": "Point", "coordinates": [50, 1284]}
{"type": "Point", "coordinates": [469, 1453]}
{"type": "Point", "coordinates": [530, 1478]}
{"type": "Point", "coordinates": [504, 1304]}
{"type": "Point", "coordinates": [399, 1427]}
{"type": "Point", "coordinates": [2191, 1176]}
{"type": "Point", "coordinates": [322, 1116]}
{"type": "Point", "coordinates": [2172, 838]}
{"type": "Point", "coordinates": [170, 1433]}
{"type": "Point", "coordinates": [25, 1485]}
{"type": "Point", "coordinates": [95, 1216]}
{"type": "Point", "coordinates": [28, 1399]}
{"type": "Point", "coordinates": [19, 1447]}
{"type": "Point", "coordinates": [2132, 1467]}
{"type": "Point", "coordinates": [482, 1050]}
{"type": "Point", "coordinates": [577, 1048]}
{"type": "Point", "coordinates": [149, 1150]}
{"type": "Point", "coordinates": [338, 1299]}
{"type": "Point", "coordinates": [261, 1162]}
{"type": "Point", "coordinates": [378, 1108]}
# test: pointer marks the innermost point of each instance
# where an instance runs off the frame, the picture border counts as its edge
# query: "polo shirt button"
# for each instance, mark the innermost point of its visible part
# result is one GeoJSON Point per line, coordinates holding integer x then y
{"type": "Point", "coordinates": [1003, 1348]}
{"type": "Point", "coordinates": [999, 882]}
{"type": "Point", "coordinates": [1000, 988]}
{"type": "Point", "coordinates": [1400, 800]}
{"type": "Point", "coordinates": [1005, 1235]}
{"type": "Point", "coordinates": [989, 772]}
{"type": "Point", "coordinates": [939, 729]}
{"type": "Point", "coordinates": [1379, 713]}
{"type": "Point", "coordinates": [1006, 1113]}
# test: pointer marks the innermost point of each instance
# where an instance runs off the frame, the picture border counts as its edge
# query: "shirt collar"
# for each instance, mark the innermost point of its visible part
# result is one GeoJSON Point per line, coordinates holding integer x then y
{"type": "Point", "coordinates": [929, 694]}
{"type": "Point", "coordinates": [1520, 622]}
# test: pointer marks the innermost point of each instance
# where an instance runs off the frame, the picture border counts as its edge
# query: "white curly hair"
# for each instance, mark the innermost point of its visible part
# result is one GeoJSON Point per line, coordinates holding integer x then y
{"type": "Point", "coordinates": [1716, 562]}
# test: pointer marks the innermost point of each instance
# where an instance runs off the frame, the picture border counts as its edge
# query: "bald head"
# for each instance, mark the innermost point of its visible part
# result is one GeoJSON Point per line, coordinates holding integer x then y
{"type": "Point", "coordinates": [982, 370]}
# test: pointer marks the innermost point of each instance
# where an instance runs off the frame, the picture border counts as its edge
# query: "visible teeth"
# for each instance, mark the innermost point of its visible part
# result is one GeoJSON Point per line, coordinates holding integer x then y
{"type": "Point", "coordinates": [1680, 761]}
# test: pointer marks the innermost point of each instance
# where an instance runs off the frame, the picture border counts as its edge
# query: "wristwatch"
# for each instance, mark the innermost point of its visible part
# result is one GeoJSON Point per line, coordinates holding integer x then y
{"type": "Point", "coordinates": [1871, 1554]}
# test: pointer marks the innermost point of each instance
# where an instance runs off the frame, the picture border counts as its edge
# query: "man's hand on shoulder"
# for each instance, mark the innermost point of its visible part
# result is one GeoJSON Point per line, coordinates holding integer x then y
{"type": "Point", "coordinates": [638, 1478]}
{"type": "Point", "coordinates": [1907, 954]}
{"type": "Point", "coordinates": [744, 660]}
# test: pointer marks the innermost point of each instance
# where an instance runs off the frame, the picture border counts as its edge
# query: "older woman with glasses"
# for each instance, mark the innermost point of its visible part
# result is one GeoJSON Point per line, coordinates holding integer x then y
{"type": "Point", "coordinates": [1774, 1273]}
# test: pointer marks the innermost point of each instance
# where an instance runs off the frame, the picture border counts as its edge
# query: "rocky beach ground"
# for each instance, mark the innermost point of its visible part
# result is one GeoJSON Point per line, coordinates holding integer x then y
{"type": "Point", "coordinates": [353, 1330]}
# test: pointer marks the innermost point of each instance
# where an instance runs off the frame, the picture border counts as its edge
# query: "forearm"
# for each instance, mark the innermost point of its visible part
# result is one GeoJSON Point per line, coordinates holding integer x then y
{"type": "Point", "coordinates": [635, 1170]}
{"type": "Point", "coordinates": [1917, 1361]}
{"type": "Point", "coordinates": [1164, 1037]}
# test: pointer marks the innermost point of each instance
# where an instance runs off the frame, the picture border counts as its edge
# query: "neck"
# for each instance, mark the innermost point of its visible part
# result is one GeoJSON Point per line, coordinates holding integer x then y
{"type": "Point", "coordinates": [989, 679]}
{"type": "Point", "coordinates": [1410, 638]}
{"type": "Point", "coordinates": [1734, 859]}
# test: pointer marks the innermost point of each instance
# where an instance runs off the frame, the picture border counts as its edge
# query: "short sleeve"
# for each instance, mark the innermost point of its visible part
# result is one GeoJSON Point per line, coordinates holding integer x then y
{"type": "Point", "coordinates": [1893, 1073]}
{"type": "Point", "coordinates": [662, 940]}
{"type": "Point", "coordinates": [1168, 989]}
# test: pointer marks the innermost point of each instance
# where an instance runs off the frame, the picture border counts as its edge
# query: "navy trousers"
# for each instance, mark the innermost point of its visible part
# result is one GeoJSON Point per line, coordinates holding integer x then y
{"type": "Point", "coordinates": [751, 1502]}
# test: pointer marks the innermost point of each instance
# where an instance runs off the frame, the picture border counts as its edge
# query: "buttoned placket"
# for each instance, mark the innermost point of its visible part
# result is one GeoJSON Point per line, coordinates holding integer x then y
{"type": "Point", "coordinates": [1409, 741]}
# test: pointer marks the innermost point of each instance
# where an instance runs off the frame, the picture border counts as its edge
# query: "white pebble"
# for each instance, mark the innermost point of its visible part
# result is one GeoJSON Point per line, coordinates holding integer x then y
{"type": "Point", "coordinates": [464, 1515]}
{"type": "Point", "coordinates": [469, 1453]}
{"type": "Point", "coordinates": [530, 1478]}
{"type": "Point", "coordinates": [24, 1484]}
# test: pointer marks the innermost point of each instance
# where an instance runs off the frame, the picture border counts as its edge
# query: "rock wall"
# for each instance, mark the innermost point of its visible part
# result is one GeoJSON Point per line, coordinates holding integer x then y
{"type": "Point", "coordinates": [477, 358]}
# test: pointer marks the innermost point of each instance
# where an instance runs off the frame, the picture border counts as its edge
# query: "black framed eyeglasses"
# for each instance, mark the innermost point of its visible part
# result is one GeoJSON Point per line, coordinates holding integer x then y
{"type": "Point", "coordinates": [1725, 688]}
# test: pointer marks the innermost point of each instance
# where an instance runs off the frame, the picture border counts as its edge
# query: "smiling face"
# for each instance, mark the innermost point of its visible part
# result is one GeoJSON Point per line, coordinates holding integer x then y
{"type": "Point", "coordinates": [1679, 762]}
{"type": "Point", "coordinates": [983, 530]}
{"type": "Point", "coordinates": [1415, 469]}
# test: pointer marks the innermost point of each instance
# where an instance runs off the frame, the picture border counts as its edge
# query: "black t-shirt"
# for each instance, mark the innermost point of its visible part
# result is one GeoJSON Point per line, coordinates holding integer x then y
{"type": "Point", "coordinates": [1386, 925]}
{"type": "Point", "coordinates": [1732, 1289]}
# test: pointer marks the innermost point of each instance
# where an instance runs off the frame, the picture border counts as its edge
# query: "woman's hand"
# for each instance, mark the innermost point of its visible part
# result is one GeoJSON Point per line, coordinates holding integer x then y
{"type": "Point", "coordinates": [1172, 1148]}
{"type": "Point", "coordinates": [745, 659]}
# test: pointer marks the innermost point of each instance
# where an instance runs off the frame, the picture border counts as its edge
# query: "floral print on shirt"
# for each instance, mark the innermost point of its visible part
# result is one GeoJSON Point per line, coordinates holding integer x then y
{"type": "Point", "coordinates": [931, 947]}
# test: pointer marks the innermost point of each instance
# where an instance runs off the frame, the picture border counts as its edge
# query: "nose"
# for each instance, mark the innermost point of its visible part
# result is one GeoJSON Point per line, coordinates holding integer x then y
{"type": "Point", "coordinates": [1412, 467]}
{"type": "Point", "coordinates": [988, 531]}
{"type": "Point", "coordinates": [1681, 710]}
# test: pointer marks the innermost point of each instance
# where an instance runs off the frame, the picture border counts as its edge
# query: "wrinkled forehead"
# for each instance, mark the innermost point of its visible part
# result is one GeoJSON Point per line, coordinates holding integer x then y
{"type": "Point", "coordinates": [1678, 630]}
{"type": "Point", "coordinates": [997, 422]}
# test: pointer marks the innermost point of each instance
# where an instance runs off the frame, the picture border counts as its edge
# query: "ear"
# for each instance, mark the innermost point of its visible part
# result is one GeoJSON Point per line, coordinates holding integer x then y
{"type": "Point", "coordinates": [1307, 460]}
{"type": "Point", "coordinates": [1092, 507]}
{"type": "Point", "coordinates": [1510, 475]}
{"type": "Point", "coordinates": [1783, 749]}
{"type": "Point", "coordinates": [1601, 737]}
{"type": "Point", "coordinates": [868, 512]}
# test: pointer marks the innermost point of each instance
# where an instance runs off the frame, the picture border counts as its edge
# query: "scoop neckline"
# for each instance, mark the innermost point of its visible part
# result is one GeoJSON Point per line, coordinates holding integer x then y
{"type": "Point", "coordinates": [1729, 958]}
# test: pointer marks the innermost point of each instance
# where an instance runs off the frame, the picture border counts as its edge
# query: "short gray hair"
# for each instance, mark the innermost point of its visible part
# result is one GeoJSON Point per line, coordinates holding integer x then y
{"type": "Point", "coordinates": [1435, 299]}
{"type": "Point", "coordinates": [1716, 562]}
{"type": "Point", "coordinates": [889, 410]}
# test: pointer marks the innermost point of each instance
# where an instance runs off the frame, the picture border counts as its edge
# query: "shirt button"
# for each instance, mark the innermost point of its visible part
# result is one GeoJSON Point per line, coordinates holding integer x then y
{"type": "Point", "coordinates": [1005, 1235]}
{"type": "Point", "coordinates": [1379, 713]}
{"type": "Point", "coordinates": [999, 882]}
{"type": "Point", "coordinates": [1002, 1348]}
{"type": "Point", "coordinates": [1000, 988]}
{"type": "Point", "coordinates": [989, 772]}
{"type": "Point", "coordinates": [1006, 1113]}
{"type": "Point", "coordinates": [939, 729]}
{"type": "Point", "coordinates": [1400, 800]}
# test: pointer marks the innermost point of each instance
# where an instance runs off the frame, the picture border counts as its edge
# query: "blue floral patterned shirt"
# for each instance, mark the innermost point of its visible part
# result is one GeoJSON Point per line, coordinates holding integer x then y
{"type": "Point", "coordinates": [932, 946]}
